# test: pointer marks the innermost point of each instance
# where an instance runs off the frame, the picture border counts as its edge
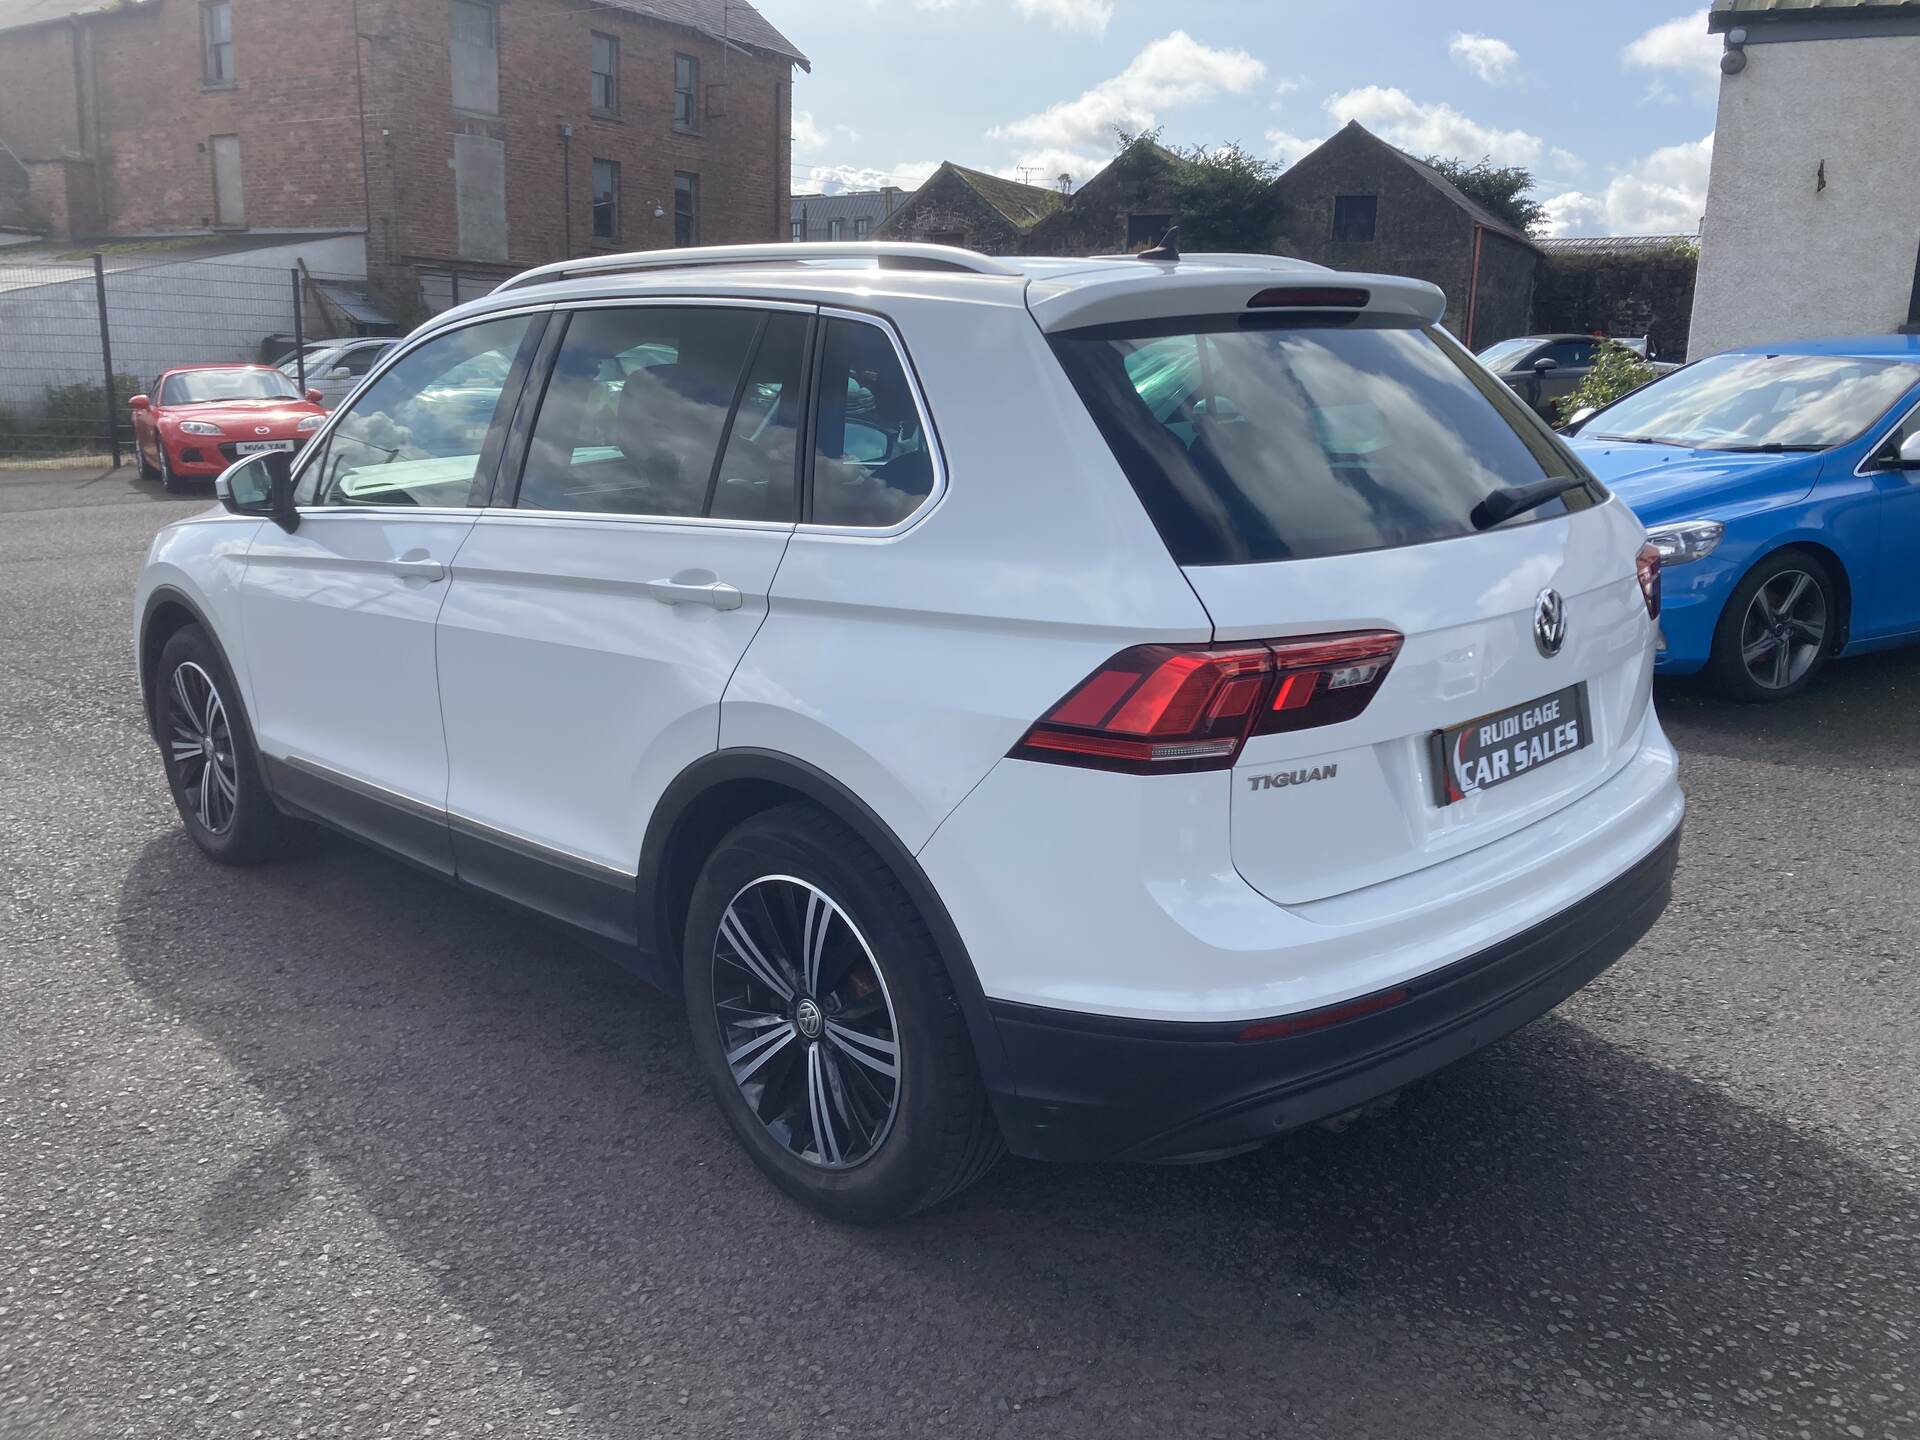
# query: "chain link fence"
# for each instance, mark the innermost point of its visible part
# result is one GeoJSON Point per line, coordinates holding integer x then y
{"type": "Point", "coordinates": [78, 339]}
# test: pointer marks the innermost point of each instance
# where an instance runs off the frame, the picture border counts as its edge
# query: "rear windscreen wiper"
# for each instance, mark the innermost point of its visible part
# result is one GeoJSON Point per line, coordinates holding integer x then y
{"type": "Point", "coordinates": [1511, 500]}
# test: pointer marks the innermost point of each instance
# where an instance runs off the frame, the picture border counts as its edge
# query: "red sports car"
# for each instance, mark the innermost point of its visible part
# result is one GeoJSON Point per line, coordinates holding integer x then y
{"type": "Point", "coordinates": [201, 418]}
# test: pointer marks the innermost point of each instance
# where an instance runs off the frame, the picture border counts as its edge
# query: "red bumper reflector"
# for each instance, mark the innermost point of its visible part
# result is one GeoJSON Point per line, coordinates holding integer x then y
{"type": "Point", "coordinates": [1311, 1020]}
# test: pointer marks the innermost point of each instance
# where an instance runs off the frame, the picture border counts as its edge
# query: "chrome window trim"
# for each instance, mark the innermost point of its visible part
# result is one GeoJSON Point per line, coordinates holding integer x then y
{"type": "Point", "coordinates": [373, 377]}
{"type": "Point", "coordinates": [937, 491]}
{"type": "Point", "coordinates": [1866, 469]}
{"type": "Point", "coordinates": [611, 517]}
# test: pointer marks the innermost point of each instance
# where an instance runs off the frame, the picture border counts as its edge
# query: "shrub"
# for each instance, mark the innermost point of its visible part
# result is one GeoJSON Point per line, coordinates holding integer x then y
{"type": "Point", "coordinates": [1616, 371]}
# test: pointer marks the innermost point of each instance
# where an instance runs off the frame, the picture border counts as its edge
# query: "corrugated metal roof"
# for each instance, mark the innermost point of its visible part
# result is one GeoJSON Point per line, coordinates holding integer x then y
{"type": "Point", "coordinates": [1768, 5]}
{"type": "Point", "coordinates": [1613, 244]}
{"type": "Point", "coordinates": [358, 305]}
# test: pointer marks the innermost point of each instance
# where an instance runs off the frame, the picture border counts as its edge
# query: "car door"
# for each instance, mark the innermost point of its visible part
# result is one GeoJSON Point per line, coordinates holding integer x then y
{"type": "Point", "coordinates": [602, 602]}
{"type": "Point", "coordinates": [338, 615]}
{"type": "Point", "coordinates": [1896, 598]}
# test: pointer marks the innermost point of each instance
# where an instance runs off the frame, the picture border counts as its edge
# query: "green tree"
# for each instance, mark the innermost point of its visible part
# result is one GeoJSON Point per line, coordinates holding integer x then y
{"type": "Point", "coordinates": [1223, 194]}
{"type": "Point", "coordinates": [1616, 371]}
{"type": "Point", "coordinates": [1503, 189]}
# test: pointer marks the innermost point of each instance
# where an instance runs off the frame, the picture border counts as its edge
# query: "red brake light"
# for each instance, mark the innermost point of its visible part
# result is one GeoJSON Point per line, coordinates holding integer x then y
{"type": "Point", "coordinates": [1165, 709]}
{"type": "Point", "coordinates": [1648, 568]}
{"type": "Point", "coordinates": [1325, 297]}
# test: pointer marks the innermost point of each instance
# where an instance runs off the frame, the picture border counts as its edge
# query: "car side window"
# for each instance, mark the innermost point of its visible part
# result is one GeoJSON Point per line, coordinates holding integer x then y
{"type": "Point", "coordinates": [415, 438]}
{"type": "Point", "coordinates": [873, 462]}
{"type": "Point", "coordinates": [755, 479]}
{"type": "Point", "coordinates": [635, 410]}
{"type": "Point", "coordinates": [1570, 352]}
{"type": "Point", "coordinates": [358, 361]}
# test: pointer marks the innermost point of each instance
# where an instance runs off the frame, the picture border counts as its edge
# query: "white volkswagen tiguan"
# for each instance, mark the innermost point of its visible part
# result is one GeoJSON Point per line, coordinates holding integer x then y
{"type": "Point", "coordinates": [1103, 709]}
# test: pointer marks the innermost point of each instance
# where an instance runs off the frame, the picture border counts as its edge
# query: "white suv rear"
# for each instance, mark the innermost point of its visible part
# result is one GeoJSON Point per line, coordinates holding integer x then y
{"type": "Point", "coordinates": [1104, 709]}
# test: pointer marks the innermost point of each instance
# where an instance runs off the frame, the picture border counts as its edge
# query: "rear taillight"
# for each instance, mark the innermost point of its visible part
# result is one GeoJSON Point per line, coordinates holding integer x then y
{"type": "Point", "coordinates": [1166, 709]}
{"type": "Point", "coordinates": [1648, 566]}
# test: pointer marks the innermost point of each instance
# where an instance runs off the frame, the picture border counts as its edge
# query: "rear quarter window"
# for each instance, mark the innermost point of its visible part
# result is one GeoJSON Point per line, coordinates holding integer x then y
{"type": "Point", "coordinates": [1253, 439]}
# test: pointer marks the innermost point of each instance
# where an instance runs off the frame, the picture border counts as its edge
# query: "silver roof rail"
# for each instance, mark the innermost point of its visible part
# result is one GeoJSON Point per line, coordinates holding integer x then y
{"type": "Point", "coordinates": [889, 256]}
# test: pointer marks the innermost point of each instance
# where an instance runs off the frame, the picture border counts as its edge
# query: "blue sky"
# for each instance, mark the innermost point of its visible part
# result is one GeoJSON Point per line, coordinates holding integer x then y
{"type": "Point", "coordinates": [1611, 105]}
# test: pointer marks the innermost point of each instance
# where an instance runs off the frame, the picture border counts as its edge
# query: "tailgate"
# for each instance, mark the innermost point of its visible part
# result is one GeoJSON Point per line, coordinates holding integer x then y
{"type": "Point", "coordinates": [1327, 810]}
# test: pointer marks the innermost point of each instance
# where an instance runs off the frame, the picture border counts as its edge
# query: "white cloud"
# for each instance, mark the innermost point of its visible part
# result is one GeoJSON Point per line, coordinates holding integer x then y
{"type": "Point", "coordinates": [1663, 193]}
{"type": "Point", "coordinates": [1046, 166]}
{"type": "Point", "coordinates": [1288, 148]}
{"type": "Point", "coordinates": [1680, 47]}
{"type": "Point", "coordinates": [1439, 129]}
{"type": "Point", "coordinates": [1089, 15]}
{"type": "Point", "coordinates": [838, 179]}
{"type": "Point", "coordinates": [1492, 60]}
{"type": "Point", "coordinates": [808, 136]}
{"type": "Point", "coordinates": [1173, 70]}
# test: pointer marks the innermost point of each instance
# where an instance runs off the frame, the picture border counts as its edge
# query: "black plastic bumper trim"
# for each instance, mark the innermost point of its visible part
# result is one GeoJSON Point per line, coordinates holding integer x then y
{"type": "Point", "coordinates": [1092, 1087]}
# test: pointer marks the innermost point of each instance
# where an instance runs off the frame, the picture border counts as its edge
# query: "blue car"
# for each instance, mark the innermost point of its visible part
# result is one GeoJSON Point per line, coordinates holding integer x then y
{"type": "Point", "coordinates": [1781, 486]}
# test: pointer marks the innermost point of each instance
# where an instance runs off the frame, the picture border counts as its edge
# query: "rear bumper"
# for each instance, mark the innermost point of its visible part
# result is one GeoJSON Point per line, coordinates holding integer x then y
{"type": "Point", "coordinates": [1088, 1087]}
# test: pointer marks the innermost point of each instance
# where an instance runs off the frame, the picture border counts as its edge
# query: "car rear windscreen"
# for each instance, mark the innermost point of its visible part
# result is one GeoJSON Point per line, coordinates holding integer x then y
{"type": "Point", "coordinates": [1263, 438]}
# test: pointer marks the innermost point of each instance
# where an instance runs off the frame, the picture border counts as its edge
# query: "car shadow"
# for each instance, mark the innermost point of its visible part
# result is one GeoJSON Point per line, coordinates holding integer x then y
{"type": "Point", "coordinates": [1592, 1239]}
{"type": "Point", "coordinates": [1861, 713]}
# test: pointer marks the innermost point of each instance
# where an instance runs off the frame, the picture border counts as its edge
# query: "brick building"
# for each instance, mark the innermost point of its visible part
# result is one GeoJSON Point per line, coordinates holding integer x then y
{"type": "Point", "coordinates": [1358, 203]}
{"type": "Point", "coordinates": [850, 215]}
{"type": "Point", "coordinates": [470, 137]}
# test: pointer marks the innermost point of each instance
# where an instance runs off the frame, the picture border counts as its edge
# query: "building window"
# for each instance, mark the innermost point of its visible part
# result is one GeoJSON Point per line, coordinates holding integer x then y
{"type": "Point", "coordinates": [799, 231]}
{"type": "Point", "coordinates": [476, 57]}
{"type": "Point", "coordinates": [686, 208]}
{"type": "Point", "coordinates": [861, 224]}
{"type": "Point", "coordinates": [1147, 230]}
{"type": "Point", "coordinates": [836, 230]}
{"type": "Point", "coordinates": [686, 85]}
{"type": "Point", "coordinates": [606, 200]}
{"type": "Point", "coordinates": [1354, 217]}
{"type": "Point", "coordinates": [216, 35]}
{"type": "Point", "coordinates": [606, 73]}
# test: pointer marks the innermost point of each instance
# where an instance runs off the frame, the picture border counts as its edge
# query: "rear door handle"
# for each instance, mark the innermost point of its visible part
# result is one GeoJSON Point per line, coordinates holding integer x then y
{"type": "Point", "coordinates": [411, 568]}
{"type": "Point", "coordinates": [716, 594]}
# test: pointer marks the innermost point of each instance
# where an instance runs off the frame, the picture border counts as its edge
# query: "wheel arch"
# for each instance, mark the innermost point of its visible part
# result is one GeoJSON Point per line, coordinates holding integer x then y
{"type": "Point", "coordinates": [168, 610]}
{"type": "Point", "coordinates": [720, 790]}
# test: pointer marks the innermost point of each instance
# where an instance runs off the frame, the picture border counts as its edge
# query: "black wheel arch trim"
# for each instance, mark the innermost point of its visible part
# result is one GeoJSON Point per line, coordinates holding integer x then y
{"type": "Point", "coordinates": [722, 767]}
{"type": "Point", "coordinates": [172, 595]}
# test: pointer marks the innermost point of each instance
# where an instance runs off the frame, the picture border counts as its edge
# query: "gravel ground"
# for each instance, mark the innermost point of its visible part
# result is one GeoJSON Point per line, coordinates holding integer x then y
{"type": "Point", "coordinates": [336, 1149]}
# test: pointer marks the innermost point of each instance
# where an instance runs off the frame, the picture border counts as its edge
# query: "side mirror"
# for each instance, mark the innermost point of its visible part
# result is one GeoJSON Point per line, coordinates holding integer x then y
{"type": "Point", "coordinates": [315, 397]}
{"type": "Point", "coordinates": [1544, 364]}
{"type": "Point", "coordinates": [139, 402]}
{"type": "Point", "coordinates": [261, 485]}
{"type": "Point", "coordinates": [1909, 457]}
{"type": "Point", "coordinates": [1579, 418]}
{"type": "Point", "coordinates": [340, 372]}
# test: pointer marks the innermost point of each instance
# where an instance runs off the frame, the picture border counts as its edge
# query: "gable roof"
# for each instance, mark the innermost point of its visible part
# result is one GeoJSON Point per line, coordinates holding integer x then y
{"type": "Point", "coordinates": [1472, 208]}
{"type": "Point", "coordinates": [733, 20]}
{"type": "Point", "coordinates": [1021, 205]}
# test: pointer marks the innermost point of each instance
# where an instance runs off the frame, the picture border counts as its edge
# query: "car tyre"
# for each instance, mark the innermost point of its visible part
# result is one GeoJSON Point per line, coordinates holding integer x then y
{"type": "Point", "coordinates": [1778, 628]}
{"type": "Point", "coordinates": [169, 481]}
{"type": "Point", "coordinates": [213, 767]}
{"type": "Point", "coordinates": [797, 1050]}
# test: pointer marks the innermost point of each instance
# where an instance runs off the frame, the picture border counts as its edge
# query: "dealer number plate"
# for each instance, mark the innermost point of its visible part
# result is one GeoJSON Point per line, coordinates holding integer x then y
{"type": "Point", "coordinates": [1504, 746]}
